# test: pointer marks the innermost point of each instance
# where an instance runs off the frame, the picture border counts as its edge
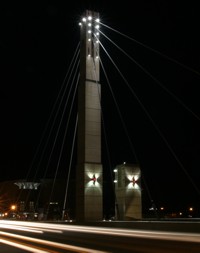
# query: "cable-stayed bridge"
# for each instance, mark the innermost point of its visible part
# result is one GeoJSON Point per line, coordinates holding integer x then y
{"type": "Point", "coordinates": [143, 121]}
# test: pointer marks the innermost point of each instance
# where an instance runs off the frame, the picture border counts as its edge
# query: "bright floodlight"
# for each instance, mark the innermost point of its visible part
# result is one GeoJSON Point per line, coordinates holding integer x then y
{"type": "Point", "coordinates": [89, 18]}
{"type": "Point", "coordinates": [97, 20]}
{"type": "Point", "coordinates": [97, 26]}
{"type": "Point", "coordinates": [89, 24]}
{"type": "Point", "coordinates": [89, 31]}
{"type": "Point", "coordinates": [84, 19]}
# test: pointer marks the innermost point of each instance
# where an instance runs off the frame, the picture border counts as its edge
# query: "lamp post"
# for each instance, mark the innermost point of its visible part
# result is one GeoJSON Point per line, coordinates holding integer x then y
{"type": "Point", "coordinates": [13, 209]}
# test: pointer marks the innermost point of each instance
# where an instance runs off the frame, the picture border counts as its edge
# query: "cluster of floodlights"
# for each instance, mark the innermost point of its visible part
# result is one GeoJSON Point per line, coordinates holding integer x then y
{"type": "Point", "coordinates": [90, 23]}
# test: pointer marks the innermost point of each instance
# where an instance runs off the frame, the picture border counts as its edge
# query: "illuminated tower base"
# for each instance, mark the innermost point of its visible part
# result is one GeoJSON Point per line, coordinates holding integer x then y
{"type": "Point", "coordinates": [128, 192]}
{"type": "Point", "coordinates": [89, 204]}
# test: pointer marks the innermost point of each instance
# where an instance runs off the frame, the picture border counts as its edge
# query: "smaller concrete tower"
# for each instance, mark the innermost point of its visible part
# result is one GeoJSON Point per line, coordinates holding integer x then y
{"type": "Point", "coordinates": [128, 191]}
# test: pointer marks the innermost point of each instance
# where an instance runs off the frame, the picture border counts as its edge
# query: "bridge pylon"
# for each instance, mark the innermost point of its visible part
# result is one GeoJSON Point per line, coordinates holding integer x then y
{"type": "Point", "coordinates": [89, 172]}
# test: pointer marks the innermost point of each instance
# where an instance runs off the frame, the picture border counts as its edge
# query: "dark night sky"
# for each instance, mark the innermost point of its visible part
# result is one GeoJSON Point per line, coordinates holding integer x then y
{"type": "Point", "coordinates": [37, 43]}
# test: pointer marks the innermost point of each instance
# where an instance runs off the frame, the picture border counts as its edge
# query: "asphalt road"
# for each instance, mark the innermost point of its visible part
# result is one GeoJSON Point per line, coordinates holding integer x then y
{"type": "Point", "coordinates": [40, 237]}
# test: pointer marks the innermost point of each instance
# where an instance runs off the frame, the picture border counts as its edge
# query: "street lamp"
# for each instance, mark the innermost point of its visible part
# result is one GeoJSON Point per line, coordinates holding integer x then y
{"type": "Point", "coordinates": [13, 207]}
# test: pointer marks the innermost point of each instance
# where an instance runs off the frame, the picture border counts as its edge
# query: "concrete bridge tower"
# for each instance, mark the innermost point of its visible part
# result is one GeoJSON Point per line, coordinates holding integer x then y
{"type": "Point", "coordinates": [89, 203]}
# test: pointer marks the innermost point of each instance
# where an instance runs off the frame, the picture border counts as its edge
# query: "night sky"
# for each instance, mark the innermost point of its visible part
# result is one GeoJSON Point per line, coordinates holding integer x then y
{"type": "Point", "coordinates": [37, 44]}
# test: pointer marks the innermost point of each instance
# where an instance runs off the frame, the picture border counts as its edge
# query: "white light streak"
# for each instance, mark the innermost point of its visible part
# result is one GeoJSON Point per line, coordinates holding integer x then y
{"type": "Point", "coordinates": [21, 246]}
{"type": "Point", "coordinates": [32, 230]}
{"type": "Point", "coordinates": [28, 229]}
{"type": "Point", "coordinates": [175, 236]}
{"type": "Point", "coordinates": [48, 243]}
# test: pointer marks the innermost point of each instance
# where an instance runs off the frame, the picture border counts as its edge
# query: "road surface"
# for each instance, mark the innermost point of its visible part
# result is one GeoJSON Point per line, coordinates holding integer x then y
{"type": "Point", "coordinates": [41, 237]}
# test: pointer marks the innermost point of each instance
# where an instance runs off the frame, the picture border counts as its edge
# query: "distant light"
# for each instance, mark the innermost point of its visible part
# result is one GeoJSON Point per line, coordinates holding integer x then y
{"type": "Point", "coordinates": [89, 55]}
{"type": "Point", "coordinates": [97, 20]}
{"type": "Point", "coordinates": [89, 18]}
{"type": "Point", "coordinates": [97, 33]}
{"type": "Point", "coordinates": [89, 24]}
{"type": "Point", "coordinates": [89, 31]}
{"type": "Point", "coordinates": [97, 41]}
{"type": "Point", "coordinates": [115, 181]}
{"type": "Point", "coordinates": [115, 170]}
{"type": "Point", "coordinates": [97, 26]}
{"type": "Point", "coordinates": [89, 39]}
{"type": "Point", "coordinates": [97, 57]}
{"type": "Point", "coordinates": [13, 207]}
{"type": "Point", "coordinates": [84, 19]}
{"type": "Point", "coordinates": [80, 23]}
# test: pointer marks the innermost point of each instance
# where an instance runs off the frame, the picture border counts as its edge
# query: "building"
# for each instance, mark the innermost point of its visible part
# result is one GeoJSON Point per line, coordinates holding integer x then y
{"type": "Point", "coordinates": [41, 200]}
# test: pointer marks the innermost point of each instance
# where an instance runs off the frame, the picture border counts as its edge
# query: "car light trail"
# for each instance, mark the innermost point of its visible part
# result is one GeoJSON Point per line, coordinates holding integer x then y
{"type": "Point", "coordinates": [24, 247]}
{"type": "Point", "coordinates": [34, 230]}
{"type": "Point", "coordinates": [28, 229]}
{"type": "Point", "coordinates": [175, 236]}
{"type": "Point", "coordinates": [46, 243]}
